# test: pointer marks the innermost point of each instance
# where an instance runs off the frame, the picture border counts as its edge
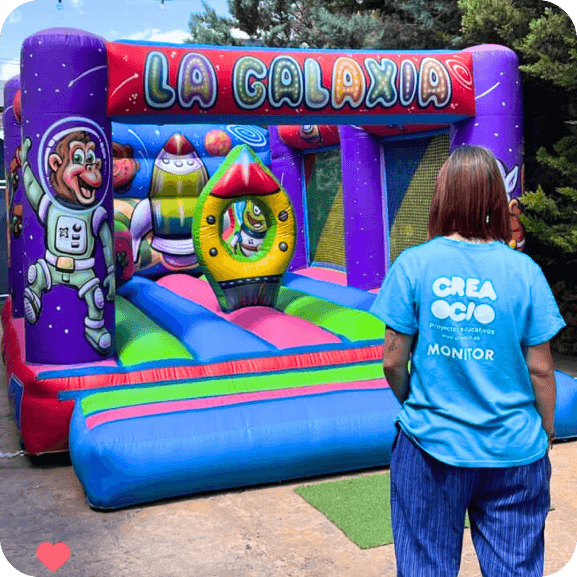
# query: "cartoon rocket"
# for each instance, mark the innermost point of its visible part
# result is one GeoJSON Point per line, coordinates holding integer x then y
{"type": "Point", "coordinates": [178, 178]}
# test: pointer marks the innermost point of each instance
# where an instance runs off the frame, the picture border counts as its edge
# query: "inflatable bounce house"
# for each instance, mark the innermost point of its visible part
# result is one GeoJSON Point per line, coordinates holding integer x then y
{"type": "Point", "coordinates": [196, 237]}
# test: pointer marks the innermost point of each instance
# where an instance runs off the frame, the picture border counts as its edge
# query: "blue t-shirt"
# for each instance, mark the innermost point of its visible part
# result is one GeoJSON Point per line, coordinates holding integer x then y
{"type": "Point", "coordinates": [474, 308]}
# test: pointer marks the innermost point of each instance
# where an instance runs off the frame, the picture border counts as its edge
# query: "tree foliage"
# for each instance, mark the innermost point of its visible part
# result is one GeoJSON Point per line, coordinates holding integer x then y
{"type": "Point", "coordinates": [497, 21]}
{"type": "Point", "coordinates": [209, 28]}
{"type": "Point", "coordinates": [551, 215]}
{"type": "Point", "coordinates": [354, 24]}
{"type": "Point", "coordinates": [550, 47]}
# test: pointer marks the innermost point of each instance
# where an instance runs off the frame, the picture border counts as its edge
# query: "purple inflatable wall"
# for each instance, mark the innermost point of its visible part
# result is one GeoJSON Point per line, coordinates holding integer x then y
{"type": "Point", "coordinates": [69, 245]}
{"type": "Point", "coordinates": [14, 193]}
{"type": "Point", "coordinates": [498, 124]}
{"type": "Point", "coordinates": [287, 164]}
{"type": "Point", "coordinates": [363, 207]}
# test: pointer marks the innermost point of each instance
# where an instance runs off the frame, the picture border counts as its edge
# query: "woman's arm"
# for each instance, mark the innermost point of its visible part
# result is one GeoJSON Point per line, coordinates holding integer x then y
{"type": "Point", "coordinates": [396, 354]}
{"type": "Point", "coordinates": [542, 373]}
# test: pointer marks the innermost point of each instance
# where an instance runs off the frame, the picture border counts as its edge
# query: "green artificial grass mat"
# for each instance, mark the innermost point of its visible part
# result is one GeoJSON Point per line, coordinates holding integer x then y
{"type": "Point", "coordinates": [359, 507]}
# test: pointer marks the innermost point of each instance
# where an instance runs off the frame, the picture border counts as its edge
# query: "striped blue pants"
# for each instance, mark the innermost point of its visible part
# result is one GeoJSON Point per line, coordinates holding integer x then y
{"type": "Point", "coordinates": [507, 509]}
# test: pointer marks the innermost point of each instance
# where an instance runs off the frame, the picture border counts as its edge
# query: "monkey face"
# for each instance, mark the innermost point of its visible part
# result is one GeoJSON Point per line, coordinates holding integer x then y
{"type": "Point", "coordinates": [77, 175]}
{"type": "Point", "coordinates": [82, 175]}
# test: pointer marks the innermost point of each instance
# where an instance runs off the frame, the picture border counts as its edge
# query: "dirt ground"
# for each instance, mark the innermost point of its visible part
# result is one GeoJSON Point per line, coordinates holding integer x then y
{"type": "Point", "coordinates": [265, 531]}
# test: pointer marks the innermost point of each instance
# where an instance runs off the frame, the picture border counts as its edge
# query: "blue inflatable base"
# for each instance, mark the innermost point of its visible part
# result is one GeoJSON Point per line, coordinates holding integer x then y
{"type": "Point", "coordinates": [566, 407]}
{"type": "Point", "coordinates": [155, 457]}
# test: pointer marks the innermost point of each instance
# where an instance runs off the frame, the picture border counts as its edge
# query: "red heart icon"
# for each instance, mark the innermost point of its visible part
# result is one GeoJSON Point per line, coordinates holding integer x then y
{"type": "Point", "coordinates": [53, 556]}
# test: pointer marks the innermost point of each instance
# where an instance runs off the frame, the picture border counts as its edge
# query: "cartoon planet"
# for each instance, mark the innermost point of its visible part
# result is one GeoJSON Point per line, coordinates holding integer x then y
{"type": "Point", "coordinates": [217, 143]}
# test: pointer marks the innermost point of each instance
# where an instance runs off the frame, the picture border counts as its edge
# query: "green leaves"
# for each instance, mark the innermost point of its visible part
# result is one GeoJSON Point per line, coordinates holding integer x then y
{"type": "Point", "coordinates": [378, 24]}
{"type": "Point", "coordinates": [209, 28]}
{"type": "Point", "coordinates": [551, 45]}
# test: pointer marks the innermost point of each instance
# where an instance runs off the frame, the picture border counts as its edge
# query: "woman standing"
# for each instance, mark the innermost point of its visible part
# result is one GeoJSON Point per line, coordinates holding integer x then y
{"type": "Point", "coordinates": [477, 415]}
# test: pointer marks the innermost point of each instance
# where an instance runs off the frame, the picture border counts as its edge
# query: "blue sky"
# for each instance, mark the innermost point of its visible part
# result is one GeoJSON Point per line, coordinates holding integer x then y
{"type": "Point", "coordinates": [111, 19]}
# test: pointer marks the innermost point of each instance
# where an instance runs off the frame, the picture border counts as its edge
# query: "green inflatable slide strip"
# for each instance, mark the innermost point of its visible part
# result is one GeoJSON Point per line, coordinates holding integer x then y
{"type": "Point", "coordinates": [230, 385]}
{"type": "Point", "coordinates": [353, 324]}
{"type": "Point", "coordinates": [139, 340]}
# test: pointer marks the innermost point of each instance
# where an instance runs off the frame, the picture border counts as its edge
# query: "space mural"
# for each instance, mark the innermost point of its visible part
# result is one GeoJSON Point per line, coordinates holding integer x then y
{"type": "Point", "coordinates": [158, 175]}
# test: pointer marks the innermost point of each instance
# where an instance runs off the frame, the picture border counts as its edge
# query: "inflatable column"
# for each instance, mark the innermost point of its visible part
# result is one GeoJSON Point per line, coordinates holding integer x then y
{"type": "Point", "coordinates": [365, 239]}
{"type": "Point", "coordinates": [14, 192]}
{"type": "Point", "coordinates": [287, 166]}
{"type": "Point", "coordinates": [69, 257]}
{"type": "Point", "coordinates": [498, 124]}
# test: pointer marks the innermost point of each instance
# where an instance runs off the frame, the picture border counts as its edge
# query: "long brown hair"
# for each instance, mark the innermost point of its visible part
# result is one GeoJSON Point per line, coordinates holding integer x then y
{"type": "Point", "coordinates": [469, 197]}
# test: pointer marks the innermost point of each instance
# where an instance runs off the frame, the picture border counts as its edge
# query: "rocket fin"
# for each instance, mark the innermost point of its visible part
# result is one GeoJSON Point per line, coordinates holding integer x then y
{"type": "Point", "coordinates": [140, 225]}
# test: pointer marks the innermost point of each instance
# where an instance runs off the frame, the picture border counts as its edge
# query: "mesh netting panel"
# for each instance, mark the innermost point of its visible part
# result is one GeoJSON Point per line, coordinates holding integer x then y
{"type": "Point", "coordinates": [325, 213]}
{"type": "Point", "coordinates": [411, 169]}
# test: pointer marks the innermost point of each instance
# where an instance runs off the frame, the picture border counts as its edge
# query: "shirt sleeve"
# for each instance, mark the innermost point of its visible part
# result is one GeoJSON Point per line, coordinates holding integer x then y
{"type": "Point", "coordinates": [395, 303]}
{"type": "Point", "coordinates": [545, 320]}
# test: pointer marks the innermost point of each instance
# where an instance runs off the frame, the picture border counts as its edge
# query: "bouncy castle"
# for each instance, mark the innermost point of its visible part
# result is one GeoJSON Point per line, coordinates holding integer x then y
{"type": "Point", "coordinates": [197, 234]}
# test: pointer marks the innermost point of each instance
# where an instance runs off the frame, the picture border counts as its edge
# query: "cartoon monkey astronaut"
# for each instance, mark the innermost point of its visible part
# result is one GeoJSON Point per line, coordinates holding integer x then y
{"type": "Point", "coordinates": [71, 227]}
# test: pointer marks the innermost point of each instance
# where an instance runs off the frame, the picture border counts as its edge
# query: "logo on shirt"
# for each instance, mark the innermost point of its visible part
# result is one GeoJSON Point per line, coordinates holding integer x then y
{"type": "Point", "coordinates": [464, 310]}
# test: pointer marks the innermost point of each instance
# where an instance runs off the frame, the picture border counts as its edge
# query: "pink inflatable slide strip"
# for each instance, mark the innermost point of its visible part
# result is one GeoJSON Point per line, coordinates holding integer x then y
{"type": "Point", "coordinates": [275, 327]}
{"type": "Point", "coordinates": [324, 274]}
{"type": "Point", "coordinates": [212, 402]}
{"type": "Point", "coordinates": [327, 275]}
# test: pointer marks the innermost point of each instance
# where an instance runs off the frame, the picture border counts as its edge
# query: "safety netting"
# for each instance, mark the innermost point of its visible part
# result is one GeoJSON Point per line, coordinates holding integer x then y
{"type": "Point", "coordinates": [411, 167]}
{"type": "Point", "coordinates": [325, 214]}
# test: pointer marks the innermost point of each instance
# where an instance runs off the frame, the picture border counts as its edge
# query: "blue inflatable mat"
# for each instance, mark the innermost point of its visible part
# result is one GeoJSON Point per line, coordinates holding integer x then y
{"type": "Point", "coordinates": [127, 461]}
{"type": "Point", "coordinates": [152, 457]}
{"type": "Point", "coordinates": [346, 296]}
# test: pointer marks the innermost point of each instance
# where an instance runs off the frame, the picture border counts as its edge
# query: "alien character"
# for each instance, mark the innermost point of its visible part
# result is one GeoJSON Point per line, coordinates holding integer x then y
{"type": "Point", "coordinates": [252, 231]}
{"type": "Point", "coordinates": [71, 226]}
